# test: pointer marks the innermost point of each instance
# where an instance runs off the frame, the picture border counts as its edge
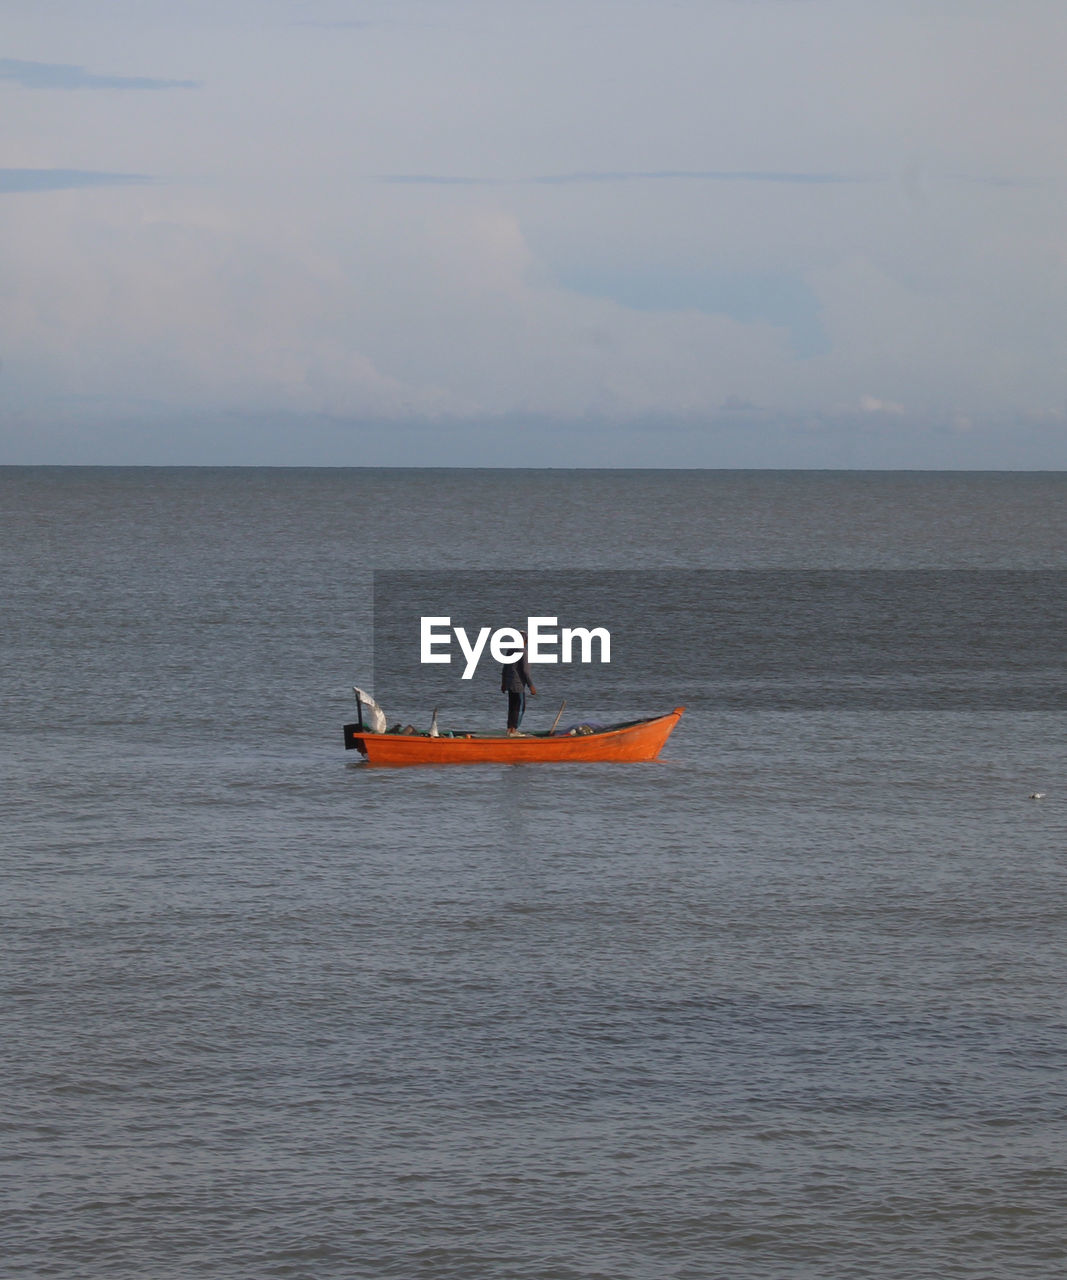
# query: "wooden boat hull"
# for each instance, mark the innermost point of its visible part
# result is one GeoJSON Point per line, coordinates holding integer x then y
{"type": "Point", "coordinates": [641, 740]}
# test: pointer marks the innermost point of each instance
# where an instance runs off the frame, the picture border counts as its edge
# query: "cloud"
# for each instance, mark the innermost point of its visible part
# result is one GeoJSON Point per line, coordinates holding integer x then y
{"type": "Point", "coordinates": [153, 310]}
{"type": "Point", "coordinates": [339, 25]}
{"type": "Point", "coordinates": [704, 175]}
{"type": "Point", "coordinates": [437, 180]}
{"type": "Point", "coordinates": [997, 182]}
{"type": "Point", "coordinates": [778, 298]}
{"type": "Point", "coordinates": [590, 177]}
{"type": "Point", "coordinates": [734, 404]}
{"type": "Point", "coordinates": [909, 179]}
{"type": "Point", "coordinates": [61, 75]}
{"type": "Point", "coordinates": [12, 180]}
{"type": "Point", "coordinates": [870, 404]}
{"type": "Point", "coordinates": [550, 213]}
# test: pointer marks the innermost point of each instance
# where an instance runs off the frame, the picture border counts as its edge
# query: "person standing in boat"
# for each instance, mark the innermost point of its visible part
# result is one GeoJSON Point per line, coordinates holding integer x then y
{"type": "Point", "coordinates": [514, 681]}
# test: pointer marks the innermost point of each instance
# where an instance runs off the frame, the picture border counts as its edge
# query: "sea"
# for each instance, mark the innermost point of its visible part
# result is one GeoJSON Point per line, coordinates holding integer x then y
{"type": "Point", "coordinates": [789, 1003]}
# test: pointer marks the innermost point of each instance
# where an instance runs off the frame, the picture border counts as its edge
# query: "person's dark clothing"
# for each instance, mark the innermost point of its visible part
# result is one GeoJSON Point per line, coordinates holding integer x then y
{"type": "Point", "coordinates": [516, 706]}
{"type": "Point", "coordinates": [514, 681]}
{"type": "Point", "coordinates": [515, 676]}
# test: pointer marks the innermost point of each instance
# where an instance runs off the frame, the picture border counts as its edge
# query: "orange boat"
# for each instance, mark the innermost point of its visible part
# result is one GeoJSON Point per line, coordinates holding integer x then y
{"type": "Point", "coordinates": [635, 740]}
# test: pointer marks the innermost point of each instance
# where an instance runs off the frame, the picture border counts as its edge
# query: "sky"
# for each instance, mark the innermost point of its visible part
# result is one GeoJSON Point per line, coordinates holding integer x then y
{"type": "Point", "coordinates": [679, 233]}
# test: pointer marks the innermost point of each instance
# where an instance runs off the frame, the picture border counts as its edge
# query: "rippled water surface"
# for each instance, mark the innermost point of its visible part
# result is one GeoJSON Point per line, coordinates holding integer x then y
{"type": "Point", "coordinates": [787, 1003]}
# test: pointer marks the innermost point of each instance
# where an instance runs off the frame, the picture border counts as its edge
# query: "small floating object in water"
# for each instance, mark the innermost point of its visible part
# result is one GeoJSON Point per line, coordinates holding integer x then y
{"type": "Point", "coordinates": [1036, 795]}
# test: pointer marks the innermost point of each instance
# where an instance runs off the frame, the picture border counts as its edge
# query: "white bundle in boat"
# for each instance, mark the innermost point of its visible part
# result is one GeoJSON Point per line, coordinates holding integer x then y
{"type": "Point", "coordinates": [376, 720]}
